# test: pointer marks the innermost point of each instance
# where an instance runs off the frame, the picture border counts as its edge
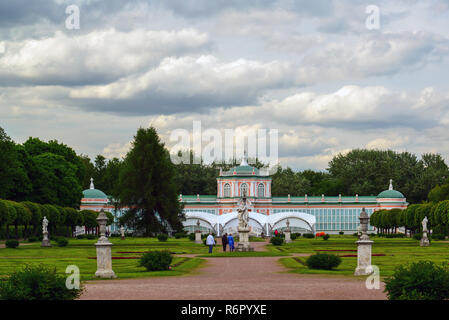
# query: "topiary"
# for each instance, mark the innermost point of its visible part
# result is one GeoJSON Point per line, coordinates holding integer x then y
{"type": "Point", "coordinates": [156, 261]}
{"type": "Point", "coordinates": [12, 243]}
{"type": "Point", "coordinates": [162, 237]}
{"type": "Point", "coordinates": [422, 280]}
{"type": "Point", "coordinates": [417, 236]}
{"type": "Point", "coordinates": [293, 236]}
{"type": "Point", "coordinates": [90, 237]}
{"type": "Point", "coordinates": [326, 236]}
{"type": "Point", "coordinates": [323, 261]}
{"type": "Point", "coordinates": [277, 241]}
{"type": "Point", "coordinates": [192, 236]}
{"type": "Point", "coordinates": [37, 283]}
{"type": "Point", "coordinates": [308, 235]}
{"type": "Point", "coordinates": [62, 242]}
{"type": "Point", "coordinates": [33, 239]}
{"type": "Point", "coordinates": [341, 233]}
{"type": "Point", "coordinates": [81, 236]}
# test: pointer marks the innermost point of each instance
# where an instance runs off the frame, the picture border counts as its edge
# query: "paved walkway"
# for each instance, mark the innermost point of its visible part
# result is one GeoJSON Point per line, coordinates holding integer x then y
{"type": "Point", "coordinates": [250, 278]}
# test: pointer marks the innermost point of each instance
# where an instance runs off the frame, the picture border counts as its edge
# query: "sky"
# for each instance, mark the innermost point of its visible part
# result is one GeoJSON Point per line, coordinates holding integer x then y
{"type": "Point", "coordinates": [316, 71]}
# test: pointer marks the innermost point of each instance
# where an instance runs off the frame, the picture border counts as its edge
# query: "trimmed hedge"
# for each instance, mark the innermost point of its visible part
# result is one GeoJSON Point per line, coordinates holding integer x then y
{"type": "Point", "coordinates": [62, 242]}
{"type": "Point", "coordinates": [323, 261]}
{"type": "Point", "coordinates": [12, 243]}
{"type": "Point", "coordinates": [277, 241]}
{"type": "Point", "coordinates": [308, 235]}
{"type": "Point", "coordinates": [162, 237]}
{"type": "Point", "coordinates": [156, 261]}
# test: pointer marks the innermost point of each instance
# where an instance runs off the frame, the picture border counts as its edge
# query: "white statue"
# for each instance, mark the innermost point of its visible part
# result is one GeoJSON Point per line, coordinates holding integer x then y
{"type": "Point", "coordinates": [243, 213]}
{"type": "Point", "coordinates": [44, 225]}
{"type": "Point", "coordinates": [424, 224]}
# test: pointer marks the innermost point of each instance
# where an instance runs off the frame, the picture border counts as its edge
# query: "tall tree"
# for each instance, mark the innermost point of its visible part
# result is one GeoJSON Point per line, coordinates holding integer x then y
{"type": "Point", "coordinates": [14, 181]}
{"type": "Point", "coordinates": [147, 184]}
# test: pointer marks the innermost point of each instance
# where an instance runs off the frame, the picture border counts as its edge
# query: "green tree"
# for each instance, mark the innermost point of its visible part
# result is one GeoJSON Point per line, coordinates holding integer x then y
{"type": "Point", "coordinates": [89, 219]}
{"type": "Point", "coordinates": [148, 186]}
{"type": "Point", "coordinates": [36, 215]}
{"type": "Point", "coordinates": [439, 193]}
{"type": "Point", "coordinates": [286, 181]}
{"type": "Point", "coordinates": [14, 181]}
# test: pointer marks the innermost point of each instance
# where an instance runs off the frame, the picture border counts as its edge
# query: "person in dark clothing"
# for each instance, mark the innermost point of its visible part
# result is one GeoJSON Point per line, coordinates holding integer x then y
{"type": "Point", "coordinates": [224, 241]}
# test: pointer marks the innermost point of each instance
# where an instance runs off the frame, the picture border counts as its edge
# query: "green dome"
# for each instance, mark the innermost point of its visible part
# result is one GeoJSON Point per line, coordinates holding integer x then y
{"type": "Point", "coordinates": [391, 194]}
{"type": "Point", "coordinates": [94, 194]}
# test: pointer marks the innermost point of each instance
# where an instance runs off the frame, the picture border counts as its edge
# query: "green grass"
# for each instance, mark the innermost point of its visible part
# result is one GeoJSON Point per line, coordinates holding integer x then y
{"type": "Point", "coordinates": [79, 251]}
{"type": "Point", "coordinates": [397, 252]}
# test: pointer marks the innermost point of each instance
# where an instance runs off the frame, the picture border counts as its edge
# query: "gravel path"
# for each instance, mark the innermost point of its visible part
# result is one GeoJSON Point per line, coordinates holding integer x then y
{"type": "Point", "coordinates": [249, 278]}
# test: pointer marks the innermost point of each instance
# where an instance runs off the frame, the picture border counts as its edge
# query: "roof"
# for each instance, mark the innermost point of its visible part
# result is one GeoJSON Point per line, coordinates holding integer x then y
{"type": "Point", "coordinates": [390, 193]}
{"type": "Point", "coordinates": [94, 194]}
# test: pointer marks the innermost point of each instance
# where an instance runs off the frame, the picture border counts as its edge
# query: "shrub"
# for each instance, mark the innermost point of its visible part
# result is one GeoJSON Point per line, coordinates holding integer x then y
{"type": "Point", "coordinates": [192, 236]}
{"type": "Point", "coordinates": [323, 261]}
{"type": "Point", "coordinates": [37, 283]}
{"type": "Point", "coordinates": [297, 234]}
{"type": "Point", "coordinates": [62, 242]}
{"type": "Point", "coordinates": [417, 236]}
{"type": "Point", "coordinates": [308, 235]}
{"type": "Point", "coordinates": [81, 236]}
{"type": "Point", "coordinates": [277, 241]}
{"type": "Point", "coordinates": [422, 280]}
{"type": "Point", "coordinates": [91, 236]}
{"type": "Point", "coordinates": [156, 260]}
{"type": "Point", "coordinates": [341, 233]}
{"type": "Point", "coordinates": [180, 235]}
{"type": "Point", "coordinates": [33, 239]}
{"type": "Point", "coordinates": [437, 236]}
{"type": "Point", "coordinates": [326, 236]}
{"type": "Point", "coordinates": [162, 237]}
{"type": "Point", "coordinates": [293, 236]}
{"type": "Point", "coordinates": [12, 243]}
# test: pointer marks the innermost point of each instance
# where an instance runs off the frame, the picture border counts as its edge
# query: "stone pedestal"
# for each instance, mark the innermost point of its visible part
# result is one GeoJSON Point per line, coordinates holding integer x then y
{"type": "Point", "coordinates": [287, 236]}
{"type": "Point", "coordinates": [45, 240]}
{"type": "Point", "coordinates": [103, 246]}
{"type": "Point", "coordinates": [243, 244]}
{"type": "Point", "coordinates": [198, 237]}
{"type": "Point", "coordinates": [363, 258]}
{"type": "Point", "coordinates": [104, 261]}
{"type": "Point", "coordinates": [424, 240]}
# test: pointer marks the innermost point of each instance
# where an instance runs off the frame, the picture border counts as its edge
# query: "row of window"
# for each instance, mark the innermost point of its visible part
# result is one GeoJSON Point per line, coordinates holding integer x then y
{"type": "Point", "coordinates": [244, 190]}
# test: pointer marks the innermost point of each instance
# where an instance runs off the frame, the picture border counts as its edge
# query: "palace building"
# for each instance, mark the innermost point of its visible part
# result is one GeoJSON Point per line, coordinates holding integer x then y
{"type": "Point", "coordinates": [218, 213]}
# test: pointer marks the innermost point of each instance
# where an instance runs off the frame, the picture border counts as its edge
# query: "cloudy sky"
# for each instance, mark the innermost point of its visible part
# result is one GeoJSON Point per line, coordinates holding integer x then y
{"type": "Point", "coordinates": [311, 69]}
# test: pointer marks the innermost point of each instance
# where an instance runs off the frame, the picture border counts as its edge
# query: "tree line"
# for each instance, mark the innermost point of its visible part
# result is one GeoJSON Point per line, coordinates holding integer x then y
{"type": "Point", "coordinates": [26, 219]}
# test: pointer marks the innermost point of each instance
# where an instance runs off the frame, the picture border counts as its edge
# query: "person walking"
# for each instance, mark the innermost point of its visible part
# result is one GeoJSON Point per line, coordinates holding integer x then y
{"type": "Point", "coordinates": [276, 232]}
{"type": "Point", "coordinates": [224, 241]}
{"type": "Point", "coordinates": [231, 242]}
{"type": "Point", "coordinates": [210, 241]}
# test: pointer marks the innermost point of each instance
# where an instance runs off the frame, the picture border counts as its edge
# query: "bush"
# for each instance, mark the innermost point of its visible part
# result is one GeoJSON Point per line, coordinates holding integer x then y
{"type": "Point", "coordinates": [192, 236]}
{"type": "Point", "coordinates": [37, 283]}
{"type": "Point", "coordinates": [437, 236]}
{"type": "Point", "coordinates": [308, 235]}
{"type": "Point", "coordinates": [323, 261]}
{"type": "Point", "coordinates": [293, 236]}
{"type": "Point", "coordinates": [91, 236]}
{"type": "Point", "coordinates": [341, 233]}
{"type": "Point", "coordinates": [421, 280]}
{"type": "Point", "coordinates": [326, 236]}
{"type": "Point", "coordinates": [417, 236]}
{"type": "Point", "coordinates": [277, 241]}
{"type": "Point", "coordinates": [81, 236]}
{"type": "Point", "coordinates": [297, 234]}
{"type": "Point", "coordinates": [33, 239]}
{"type": "Point", "coordinates": [62, 242]}
{"type": "Point", "coordinates": [11, 243]}
{"type": "Point", "coordinates": [156, 260]}
{"type": "Point", "coordinates": [180, 235]}
{"type": "Point", "coordinates": [162, 237]}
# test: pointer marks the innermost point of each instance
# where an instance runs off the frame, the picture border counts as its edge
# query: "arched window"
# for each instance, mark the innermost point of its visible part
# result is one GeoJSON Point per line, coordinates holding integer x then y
{"type": "Point", "coordinates": [261, 190]}
{"type": "Point", "coordinates": [244, 189]}
{"type": "Point", "coordinates": [227, 190]}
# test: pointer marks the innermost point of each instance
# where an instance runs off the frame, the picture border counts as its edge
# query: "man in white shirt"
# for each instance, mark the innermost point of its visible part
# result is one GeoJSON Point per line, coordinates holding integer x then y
{"type": "Point", "coordinates": [210, 241]}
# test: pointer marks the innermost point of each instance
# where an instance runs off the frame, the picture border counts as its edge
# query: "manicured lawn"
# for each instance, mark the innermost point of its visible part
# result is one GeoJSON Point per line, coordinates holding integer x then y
{"type": "Point", "coordinates": [80, 252]}
{"type": "Point", "coordinates": [397, 252]}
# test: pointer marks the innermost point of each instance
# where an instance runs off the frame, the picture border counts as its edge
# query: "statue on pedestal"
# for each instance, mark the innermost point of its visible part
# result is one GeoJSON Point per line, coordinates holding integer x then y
{"type": "Point", "coordinates": [424, 239]}
{"type": "Point", "coordinates": [364, 247]}
{"type": "Point", "coordinates": [243, 213]}
{"type": "Point", "coordinates": [243, 227]}
{"type": "Point", "coordinates": [103, 248]}
{"type": "Point", "coordinates": [45, 240]}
